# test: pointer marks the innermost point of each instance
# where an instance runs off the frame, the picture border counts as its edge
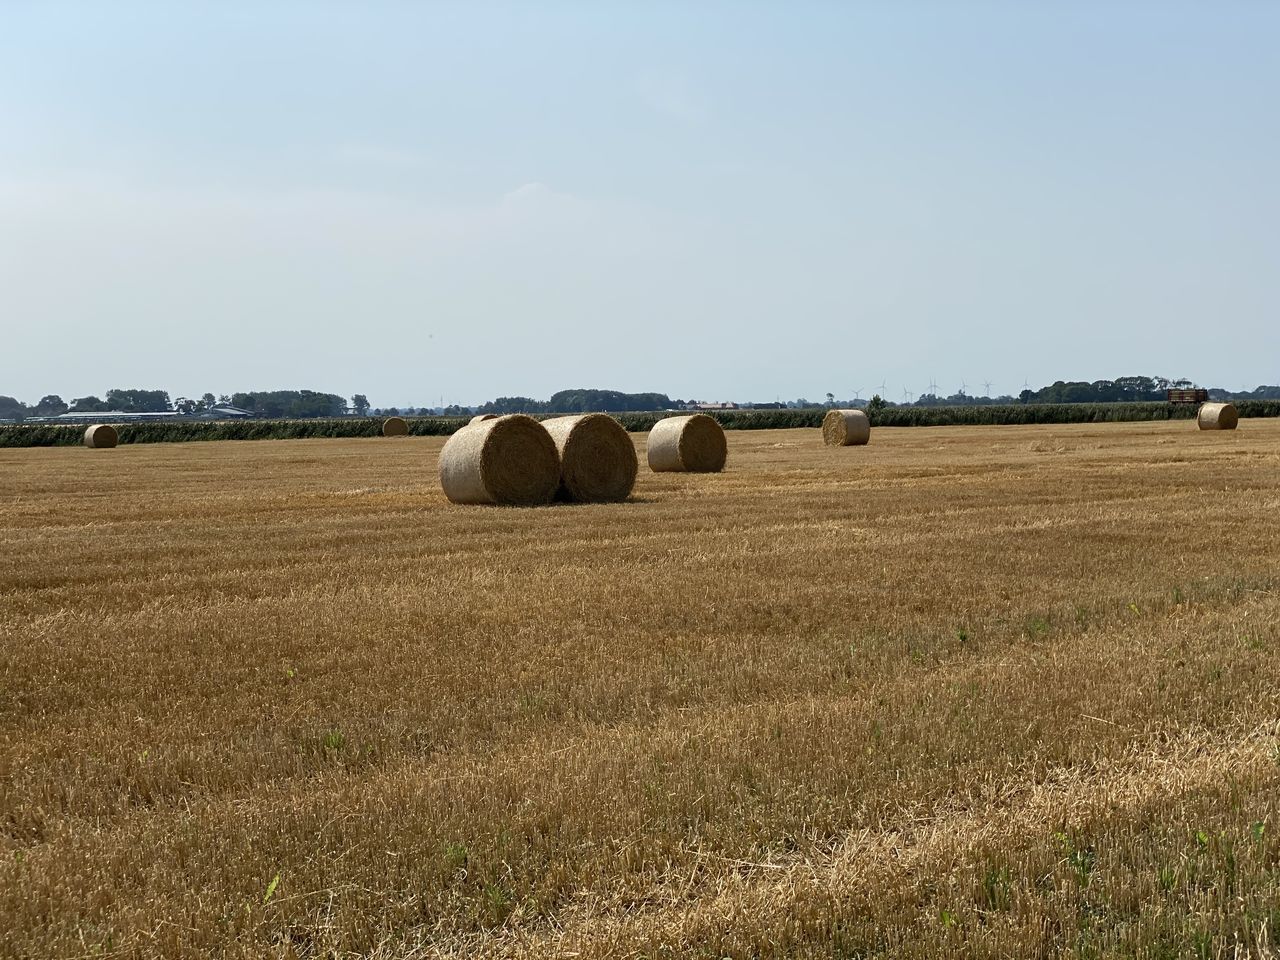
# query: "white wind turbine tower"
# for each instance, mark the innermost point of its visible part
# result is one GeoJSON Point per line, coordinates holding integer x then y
{"type": "Point", "coordinates": [986, 386]}
{"type": "Point", "coordinates": [933, 387]}
{"type": "Point", "coordinates": [906, 395]}
{"type": "Point", "coordinates": [857, 393]}
{"type": "Point", "coordinates": [883, 388]}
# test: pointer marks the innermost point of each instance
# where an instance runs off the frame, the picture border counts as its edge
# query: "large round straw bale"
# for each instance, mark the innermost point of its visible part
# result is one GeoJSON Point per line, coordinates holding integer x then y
{"type": "Point", "coordinates": [395, 427]}
{"type": "Point", "coordinates": [482, 417]}
{"type": "Point", "coordinates": [509, 460]}
{"type": "Point", "coordinates": [845, 428]}
{"type": "Point", "coordinates": [597, 458]}
{"type": "Point", "coordinates": [695, 444]}
{"type": "Point", "coordinates": [101, 436]}
{"type": "Point", "coordinates": [1217, 416]}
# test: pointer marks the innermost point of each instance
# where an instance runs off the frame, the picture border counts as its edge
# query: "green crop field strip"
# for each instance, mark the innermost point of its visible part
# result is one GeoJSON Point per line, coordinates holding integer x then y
{"type": "Point", "coordinates": [176, 431]}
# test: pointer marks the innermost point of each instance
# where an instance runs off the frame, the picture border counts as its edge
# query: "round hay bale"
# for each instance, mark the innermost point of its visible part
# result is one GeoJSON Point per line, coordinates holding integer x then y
{"type": "Point", "coordinates": [508, 460]}
{"type": "Point", "coordinates": [693, 444]}
{"type": "Point", "coordinates": [482, 417]}
{"type": "Point", "coordinates": [597, 458]}
{"type": "Point", "coordinates": [845, 428]}
{"type": "Point", "coordinates": [395, 427]}
{"type": "Point", "coordinates": [1217, 416]}
{"type": "Point", "coordinates": [101, 436]}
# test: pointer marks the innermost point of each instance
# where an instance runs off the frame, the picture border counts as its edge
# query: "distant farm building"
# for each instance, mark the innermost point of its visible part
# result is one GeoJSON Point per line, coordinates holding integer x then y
{"type": "Point", "coordinates": [221, 412]}
{"type": "Point", "coordinates": [698, 405]}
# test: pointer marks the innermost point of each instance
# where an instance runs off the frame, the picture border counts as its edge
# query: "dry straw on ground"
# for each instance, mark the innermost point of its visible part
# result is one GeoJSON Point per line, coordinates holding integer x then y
{"type": "Point", "coordinates": [1032, 735]}
{"type": "Point", "coordinates": [482, 417]}
{"type": "Point", "coordinates": [693, 444]}
{"type": "Point", "coordinates": [845, 428]}
{"type": "Point", "coordinates": [508, 460]}
{"type": "Point", "coordinates": [597, 458]}
{"type": "Point", "coordinates": [395, 427]}
{"type": "Point", "coordinates": [101, 436]}
{"type": "Point", "coordinates": [1217, 416]}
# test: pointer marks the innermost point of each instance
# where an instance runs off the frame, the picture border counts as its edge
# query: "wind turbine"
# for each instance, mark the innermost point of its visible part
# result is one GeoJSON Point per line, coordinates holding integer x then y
{"type": "Point", "coordinates": [882, 388]}
{"type": "Point", "coordinates": [986, 385]}
{"type": "Point", "coordinates": [857, 393]}
{"type": "Point", "coordinates": [963, 387]}
{"type": "Point", "coordinates": [906, 395]}
{"type": "Point", "coordinates": [933, 387]}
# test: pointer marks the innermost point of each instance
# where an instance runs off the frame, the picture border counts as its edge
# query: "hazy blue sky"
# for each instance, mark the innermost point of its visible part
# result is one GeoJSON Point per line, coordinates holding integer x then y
{"type": "Point", "coordinates": [727, 201]}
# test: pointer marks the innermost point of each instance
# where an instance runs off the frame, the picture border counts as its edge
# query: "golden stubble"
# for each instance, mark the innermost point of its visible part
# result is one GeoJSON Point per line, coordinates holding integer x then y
{"type": "Point", "coordinates": [964, 691]}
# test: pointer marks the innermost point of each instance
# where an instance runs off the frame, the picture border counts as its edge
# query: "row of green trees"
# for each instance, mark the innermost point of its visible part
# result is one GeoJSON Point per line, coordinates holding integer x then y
{"type": "Point", "coordinates": [582, 401]}
{"type": "Point", "coordinates": [301, 404]}
{"type": "Point", "coordinates": [295, 404]}
{"type": "Point", "coordinates": [309, 404]}
{"type": "Point", "coordinates": [126, 401]}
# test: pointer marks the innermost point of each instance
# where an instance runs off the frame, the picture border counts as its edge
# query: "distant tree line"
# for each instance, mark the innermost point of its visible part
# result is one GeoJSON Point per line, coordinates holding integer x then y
{"type": "Point", "coordinates": [291, 404]}
{"type": "Point", "coordinates": [312, 404]}
{"type": "Point", "coordinates": [1120, 390]}
{"type": "Point", "coordinates": [278, 404]}
{"type": "Point", "coordinates": [583, 401]}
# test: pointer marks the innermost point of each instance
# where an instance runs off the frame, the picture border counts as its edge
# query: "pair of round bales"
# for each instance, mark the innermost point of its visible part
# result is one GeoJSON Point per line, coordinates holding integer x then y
{"type": "Point", "coordinates": [518, 461]}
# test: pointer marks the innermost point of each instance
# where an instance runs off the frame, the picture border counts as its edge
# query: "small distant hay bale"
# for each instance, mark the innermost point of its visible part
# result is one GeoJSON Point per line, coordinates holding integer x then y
{"type": "Point", "coordinates": [845, 428]}
{"type": "Point", "coordinates": [508, 460]}
{"type": "Point", "coordinates": [101, 436]}
{"type": "Point", "coordinates": [597, 458]}
{"type": "Point", "coordinates": [395, 427]}
{"type": "Point", "coordinates": [482, 417]}
{"type": "Point", "coordinates": [1217, 416]}
{"type": "Point", "coordinates": [693, 444]}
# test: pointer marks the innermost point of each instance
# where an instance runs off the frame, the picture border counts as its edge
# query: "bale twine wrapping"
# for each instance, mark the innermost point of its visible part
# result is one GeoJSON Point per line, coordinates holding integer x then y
{"type": "Point", "coordinates": [101, 436]}
{"type": "Point", "coordinates": [508, 460]}
{"type": "Point", "coordinates": [395, 427]}
{"type": "Point", "coordinates": [1217, 416]}
{"type": "Point", "coordinates": [845, 428]}
{"type": "Point", "coordinates": [597, 458]}
{"type": "Point", "coordinates": [482, 417]}
{"type": "Point", "coordinates": [694, 444]}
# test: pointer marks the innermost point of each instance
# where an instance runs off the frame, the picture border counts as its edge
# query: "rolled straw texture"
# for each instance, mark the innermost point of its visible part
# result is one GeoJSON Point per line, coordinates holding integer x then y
{"type": "Point", "coordinates": [1217, 416]}
{"type": "Point", "coordinates": [508, 460]}
{"type": "Point", "coordinates": [395, 427]}
{"type": "Point", "coordinates": [101, 436]}
{"type": "Point", "coordinates": [597, 458]}
{"type": "Point", "coordinates": [845, 428]}
{"type": "Point", "coordinates": [693, 444]}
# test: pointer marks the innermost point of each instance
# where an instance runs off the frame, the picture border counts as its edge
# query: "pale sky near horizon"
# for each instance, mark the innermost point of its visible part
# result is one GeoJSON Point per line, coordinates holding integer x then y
{"type": "Point", "coordinates": [741, 201]}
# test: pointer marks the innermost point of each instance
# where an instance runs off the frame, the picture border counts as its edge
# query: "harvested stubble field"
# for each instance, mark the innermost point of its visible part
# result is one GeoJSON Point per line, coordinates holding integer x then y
{"type": "Point", "coordinates": [969, 691]}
